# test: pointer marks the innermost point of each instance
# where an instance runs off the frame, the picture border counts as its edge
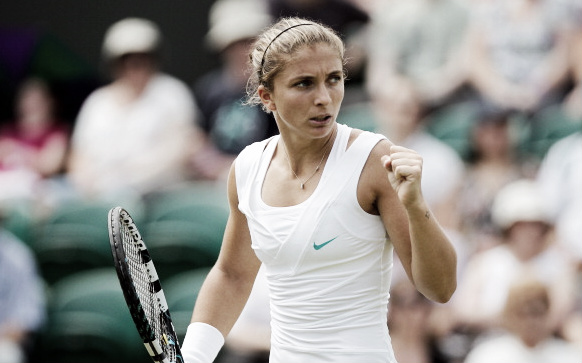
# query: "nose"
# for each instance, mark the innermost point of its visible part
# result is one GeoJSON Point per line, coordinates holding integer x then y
{"type": "Point", "coordinates": [322, 95]}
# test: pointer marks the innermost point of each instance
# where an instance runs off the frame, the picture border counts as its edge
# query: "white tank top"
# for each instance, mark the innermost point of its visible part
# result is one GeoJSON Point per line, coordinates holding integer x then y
{"type": "Point", "coordinates": [328, 262]}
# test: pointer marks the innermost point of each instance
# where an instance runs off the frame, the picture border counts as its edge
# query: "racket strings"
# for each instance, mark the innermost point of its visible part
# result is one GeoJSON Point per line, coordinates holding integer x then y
{"type": "Point", "coordinates": [141, 280]}
{"type": "Point", "coordinates": [160, 323]}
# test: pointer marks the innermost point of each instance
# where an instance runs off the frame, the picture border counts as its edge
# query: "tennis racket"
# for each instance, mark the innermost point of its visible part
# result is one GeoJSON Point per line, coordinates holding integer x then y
{"type": "Point", "coordinates": [142, 289]}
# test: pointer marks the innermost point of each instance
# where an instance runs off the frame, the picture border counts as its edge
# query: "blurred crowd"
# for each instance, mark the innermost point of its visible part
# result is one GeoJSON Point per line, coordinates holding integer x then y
{"type": "Point", "coordinates": [488, 91]}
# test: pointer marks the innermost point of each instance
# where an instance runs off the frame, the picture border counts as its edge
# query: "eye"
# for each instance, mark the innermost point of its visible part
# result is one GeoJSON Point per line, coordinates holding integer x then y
{"type": "Point", "coordinates": [336, 78]}
{"type": "Point", "coordinates": [304, 83]}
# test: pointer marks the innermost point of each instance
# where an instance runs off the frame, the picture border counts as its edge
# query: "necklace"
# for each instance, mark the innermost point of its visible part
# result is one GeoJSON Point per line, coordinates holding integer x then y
{"type": "Point", "coordinates": [316, 169]}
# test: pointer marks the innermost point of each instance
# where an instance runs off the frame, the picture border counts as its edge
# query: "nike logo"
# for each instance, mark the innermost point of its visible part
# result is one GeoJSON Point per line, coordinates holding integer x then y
{"type": "Point", "coordinates": [320, 246]}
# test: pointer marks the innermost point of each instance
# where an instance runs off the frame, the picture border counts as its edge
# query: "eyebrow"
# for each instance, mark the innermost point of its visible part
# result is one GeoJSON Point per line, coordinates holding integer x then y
{"type": "Point", "coordinates": [310, 76]}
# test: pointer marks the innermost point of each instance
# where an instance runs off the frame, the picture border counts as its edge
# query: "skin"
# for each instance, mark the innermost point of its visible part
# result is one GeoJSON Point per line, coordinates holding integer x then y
{"type": "Point", "coordinates": [305, 100]}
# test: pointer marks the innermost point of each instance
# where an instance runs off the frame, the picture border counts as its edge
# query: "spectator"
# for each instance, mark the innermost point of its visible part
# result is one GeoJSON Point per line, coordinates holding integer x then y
{"type": "Point", "coordinates": [419, 43]}
{"type": "Point", "coordinates": [492, 162]}
{"type": "Point", "coordinates": [229, 125]}
{"type": "Point", "coordinates": [518, 54]}
{"type": "Point", "coordinates": [33, 146]}
{"type": "Point", "coordinates": [527, 249]}
{"type": "Point", "coordinates": [137, 133]}
{"type": "Point", "coordinates": [527, 335]}
{"type": "Point", "coordinates": [559, 178]}
{"type": "Point", "coordinates": [22, 300]}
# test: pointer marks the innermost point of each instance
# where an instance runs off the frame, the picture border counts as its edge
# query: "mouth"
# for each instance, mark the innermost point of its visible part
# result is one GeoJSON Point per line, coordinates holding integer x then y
{"type": "Point", "coordinates": [322, 118]}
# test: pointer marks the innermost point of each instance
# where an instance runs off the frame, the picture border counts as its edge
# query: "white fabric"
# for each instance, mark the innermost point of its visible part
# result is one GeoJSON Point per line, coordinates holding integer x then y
{"type": "Point", "coordinates": [201, 343]}
{"type": "Point", "coordinates": [329, 272]}
{"type": "Point", "coordinates": [509, 349]}
{"type": "Point", "coordinates": [22, 298]}
{"type": "Point", "coordinates": [10, 352]}
{"type": "Point", "coordinates": [139, 145]}
{"type": "Point", "coordinates": [560, 178]}
{"type": "Point", "coordinates": [490, 274]}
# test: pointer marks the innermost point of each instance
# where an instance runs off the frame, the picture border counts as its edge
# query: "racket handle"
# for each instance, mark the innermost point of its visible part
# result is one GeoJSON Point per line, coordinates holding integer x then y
{"type": "Point", "coordinates": [201, 343]}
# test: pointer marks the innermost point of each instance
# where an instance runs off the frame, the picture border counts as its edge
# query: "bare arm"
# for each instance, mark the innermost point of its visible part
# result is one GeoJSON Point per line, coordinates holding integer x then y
{"type": "Point", "coordinates": [229, 283]}
{"type": "Point", "coordinates": [426, 253]}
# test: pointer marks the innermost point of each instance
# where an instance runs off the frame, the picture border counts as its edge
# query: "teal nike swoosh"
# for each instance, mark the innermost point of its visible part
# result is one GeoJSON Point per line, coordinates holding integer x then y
{"type": "Point", "coordinates": [320, 246]}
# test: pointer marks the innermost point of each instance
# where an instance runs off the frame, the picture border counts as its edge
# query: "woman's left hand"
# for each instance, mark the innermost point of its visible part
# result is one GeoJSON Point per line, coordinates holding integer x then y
{"type": "Point", "coordinates": [404, 168]}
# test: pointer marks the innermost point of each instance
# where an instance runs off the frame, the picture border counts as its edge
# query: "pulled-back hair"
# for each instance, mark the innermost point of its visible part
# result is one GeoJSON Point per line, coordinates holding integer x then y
{"type": "Point", "coordinates": [273, 48]}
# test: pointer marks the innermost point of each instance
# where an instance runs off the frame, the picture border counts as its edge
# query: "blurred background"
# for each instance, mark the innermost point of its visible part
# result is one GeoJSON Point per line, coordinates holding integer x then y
{"type": "Point", "coordinates": [141, 104]}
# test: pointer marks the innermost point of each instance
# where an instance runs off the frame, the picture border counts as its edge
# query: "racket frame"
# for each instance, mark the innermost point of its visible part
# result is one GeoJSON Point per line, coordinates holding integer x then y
{"type": "Point", "coordinates": [118, 217]}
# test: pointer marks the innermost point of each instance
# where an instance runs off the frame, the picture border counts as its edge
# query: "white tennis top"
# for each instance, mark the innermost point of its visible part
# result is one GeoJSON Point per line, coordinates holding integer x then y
{"type": "Point", "coordinates": [328, 262]}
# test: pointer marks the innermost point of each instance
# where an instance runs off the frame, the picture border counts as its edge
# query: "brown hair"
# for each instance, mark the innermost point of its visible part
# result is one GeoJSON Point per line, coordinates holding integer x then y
{"type": "Point", "coordinates": [272, 49]}
{"type": "Point", "coordinates": [524, 292]}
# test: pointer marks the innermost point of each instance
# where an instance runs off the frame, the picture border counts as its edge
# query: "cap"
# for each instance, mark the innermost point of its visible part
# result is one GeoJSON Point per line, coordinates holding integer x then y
{"type": "Point", "coordinates": [518, 201]}
{"type": "Point", "coordinates": [234, 20]}
{"type": "Point", "coordinates": [131, 35]}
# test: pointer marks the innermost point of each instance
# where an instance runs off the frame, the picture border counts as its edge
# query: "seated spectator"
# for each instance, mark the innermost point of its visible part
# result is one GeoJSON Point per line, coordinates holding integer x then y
{"type": "Point", "coordinates": [136, 134]}
{"type": "Point", "coordinates": [33, 146]}
{"type": "Point", "coordinates": [492, 163]}
{"type": "Point", "coordinates": [527, 335]}
{"type": "Point", "coordinates": [228, 125]}
{"type": "Point", "coordinates": [527, 248]}
{"type": "Point", "coordinates": [518, 54]}
{"type": "Point", "coordinates": [22, 300]}
{"type": "Point", "coordinates": [559, 178]}
{"type": "Point", "coordinates": [419, 43]}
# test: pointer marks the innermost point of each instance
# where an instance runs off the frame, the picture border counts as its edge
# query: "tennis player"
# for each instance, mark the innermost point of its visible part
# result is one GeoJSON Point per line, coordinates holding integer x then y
{"type": "Point", "coordinates": [322, 206]}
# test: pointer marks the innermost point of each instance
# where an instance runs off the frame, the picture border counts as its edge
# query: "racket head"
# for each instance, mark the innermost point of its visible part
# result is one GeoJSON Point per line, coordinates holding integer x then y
{"type": "Point", "coordinates": [141, 288]}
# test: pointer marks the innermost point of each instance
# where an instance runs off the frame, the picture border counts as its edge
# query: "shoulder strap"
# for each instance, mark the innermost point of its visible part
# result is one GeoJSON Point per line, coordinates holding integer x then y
{"type": "Point", "coordinates": [247, 165]}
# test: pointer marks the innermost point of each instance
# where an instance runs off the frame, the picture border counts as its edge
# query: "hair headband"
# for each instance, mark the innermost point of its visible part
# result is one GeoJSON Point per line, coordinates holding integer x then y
{"type": "Point", "coordinates": [272, 40]}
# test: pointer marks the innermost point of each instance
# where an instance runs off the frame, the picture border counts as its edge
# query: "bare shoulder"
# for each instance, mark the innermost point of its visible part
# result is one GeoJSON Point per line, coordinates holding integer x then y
{"type": "Point", "coordinates": [373, 169]}
{"type": "Point", "coordinates": [373, 180]}
{"type": "Point", "coordinates": [231, 186]}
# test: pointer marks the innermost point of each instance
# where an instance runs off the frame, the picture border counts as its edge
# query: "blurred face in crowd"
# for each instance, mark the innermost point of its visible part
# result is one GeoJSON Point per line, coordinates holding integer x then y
{"type": "Point", "coordinates": [136, 68]}
{"type": "Point", "coordinates": [528, 238]}
{"type": "Point", "coordinates": [34, 104]}
{"type": "Point", "coordinates": [527, 314]}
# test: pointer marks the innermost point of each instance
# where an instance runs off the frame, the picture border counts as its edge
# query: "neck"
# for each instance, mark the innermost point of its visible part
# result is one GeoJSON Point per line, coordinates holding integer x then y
{"type": "Point", "coordinates": [307, 152]}
{"type": "Point", "coordinates": [304, 167]}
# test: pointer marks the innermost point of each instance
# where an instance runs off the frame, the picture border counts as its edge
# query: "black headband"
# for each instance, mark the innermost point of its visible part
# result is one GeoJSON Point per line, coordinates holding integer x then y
{"type": "Point", "coordinates": [272, 40]}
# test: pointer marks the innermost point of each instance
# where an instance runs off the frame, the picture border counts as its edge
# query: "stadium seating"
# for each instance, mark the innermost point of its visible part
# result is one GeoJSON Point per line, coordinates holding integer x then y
{"type": "Point", "coordinates": [89, 322]}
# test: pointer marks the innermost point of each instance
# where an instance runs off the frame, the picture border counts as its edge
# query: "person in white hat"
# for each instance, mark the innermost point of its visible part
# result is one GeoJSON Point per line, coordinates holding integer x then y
{"type": "Point", "coordinates": [526, 337]}
{"type": "Point", "coordinates": [135, 134]}
{"type": "Point", "coordinates": [528, 249]}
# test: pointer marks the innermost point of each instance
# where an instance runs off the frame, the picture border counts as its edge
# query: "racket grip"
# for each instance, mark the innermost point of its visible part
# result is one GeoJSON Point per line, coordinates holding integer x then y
{"type": "Point", "coordinates": [201, 343]}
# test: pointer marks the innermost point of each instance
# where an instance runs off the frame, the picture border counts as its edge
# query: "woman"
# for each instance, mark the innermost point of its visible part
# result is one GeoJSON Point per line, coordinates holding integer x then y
{"type": "Point", "coordinates": [315, 205]}
{"type": "Point", "coordinates": [33, 146]}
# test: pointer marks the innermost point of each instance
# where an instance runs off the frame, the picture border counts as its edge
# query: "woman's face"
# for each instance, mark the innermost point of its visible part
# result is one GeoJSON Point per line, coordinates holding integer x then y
{"type": "Point", "coordinates": [308, 92]}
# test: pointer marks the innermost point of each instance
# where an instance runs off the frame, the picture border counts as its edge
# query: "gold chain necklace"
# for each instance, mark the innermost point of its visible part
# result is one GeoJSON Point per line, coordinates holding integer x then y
{"type": "Point", "coordinates": [316, 169]}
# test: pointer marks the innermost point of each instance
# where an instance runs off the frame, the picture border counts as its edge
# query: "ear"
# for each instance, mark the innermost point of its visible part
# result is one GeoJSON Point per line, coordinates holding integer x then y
{"type": "Point", "coordinates": [266, 98]}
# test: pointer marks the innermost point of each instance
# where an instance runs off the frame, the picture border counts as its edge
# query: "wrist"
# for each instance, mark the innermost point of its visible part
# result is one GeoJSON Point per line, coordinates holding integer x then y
{"type": "Point", "coordinates": [202, 343]}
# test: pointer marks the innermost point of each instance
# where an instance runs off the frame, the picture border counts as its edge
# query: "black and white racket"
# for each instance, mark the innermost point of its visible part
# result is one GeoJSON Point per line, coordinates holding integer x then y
{"type": "Point", "coordinates": [142, 289]}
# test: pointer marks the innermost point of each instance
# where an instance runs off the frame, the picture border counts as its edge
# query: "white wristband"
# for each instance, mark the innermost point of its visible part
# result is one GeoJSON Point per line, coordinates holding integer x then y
{"type": "Point", "coordinates": [201, 343]}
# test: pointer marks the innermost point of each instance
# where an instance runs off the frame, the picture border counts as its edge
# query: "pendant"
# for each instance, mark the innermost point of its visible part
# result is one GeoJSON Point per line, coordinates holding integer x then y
{"type": "Point", "coordinates": [302, 185]}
